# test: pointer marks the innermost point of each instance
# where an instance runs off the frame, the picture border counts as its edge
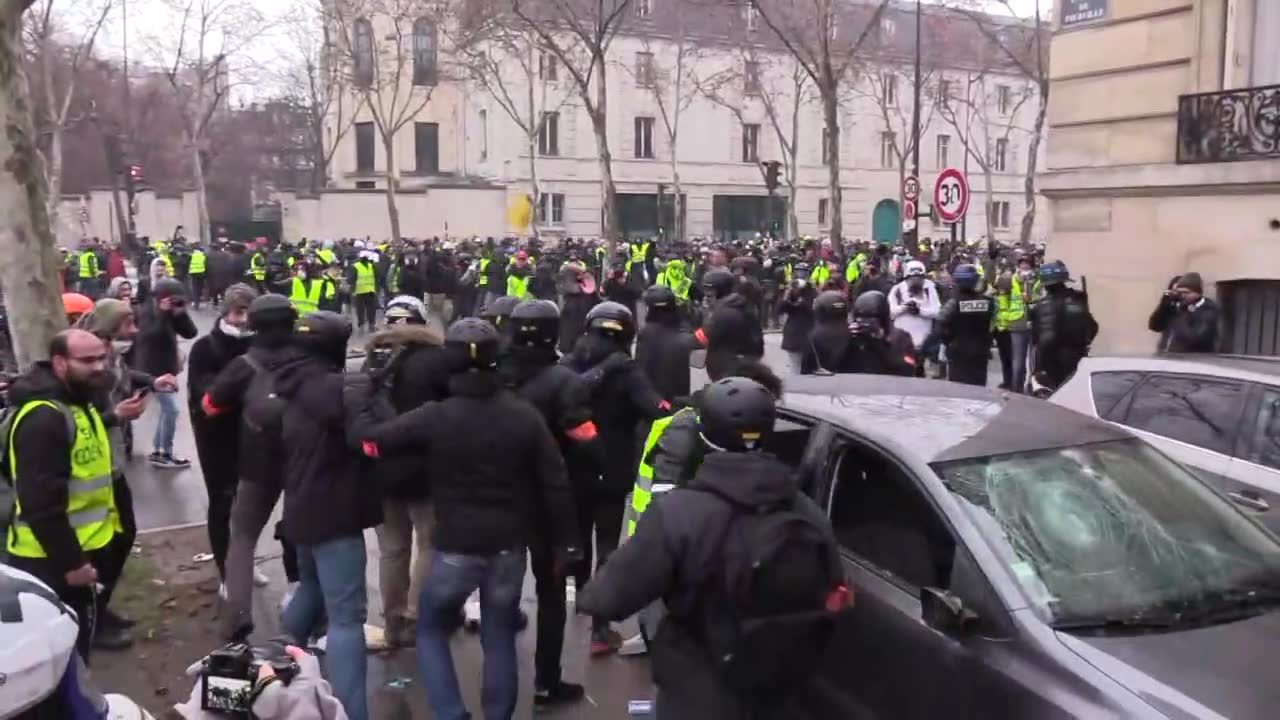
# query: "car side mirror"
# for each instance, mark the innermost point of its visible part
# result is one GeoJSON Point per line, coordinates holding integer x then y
{"type": "Point", "coordinates": [945, 612]}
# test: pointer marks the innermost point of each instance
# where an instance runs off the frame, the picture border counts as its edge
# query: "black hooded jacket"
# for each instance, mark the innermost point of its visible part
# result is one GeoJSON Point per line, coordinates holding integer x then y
{"type": "Point", "coordinates": [217, 438]}
{"type": "Point", "coordinates": [662, 352]}
{"type": "Point", "coordinates": [327, 492]}
{"type": "Point", "coordinates": [732, 330]}
{"type": "Point", "coordinates": [678, 537]}
{"type": "Point", "coordinates": [156, 349]}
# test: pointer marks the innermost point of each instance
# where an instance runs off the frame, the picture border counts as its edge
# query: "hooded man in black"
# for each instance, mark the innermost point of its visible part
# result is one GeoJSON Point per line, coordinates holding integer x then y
{"type": "Point", "coordinates": [731, 329]}
{"type": "Point", "coordinates": [664, 345]}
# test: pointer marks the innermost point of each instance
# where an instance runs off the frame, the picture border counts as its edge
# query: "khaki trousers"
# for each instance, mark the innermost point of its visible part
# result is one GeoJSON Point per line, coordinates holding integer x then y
{"type": "Point", "coordinates": [404, 547]}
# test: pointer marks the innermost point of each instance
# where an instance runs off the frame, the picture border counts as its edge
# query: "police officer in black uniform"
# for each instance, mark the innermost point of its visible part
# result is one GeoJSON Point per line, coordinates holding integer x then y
{"type": "Point", "coordinates": [964, 324]}
{"type": "Point", "coordinates": [1062, 328]}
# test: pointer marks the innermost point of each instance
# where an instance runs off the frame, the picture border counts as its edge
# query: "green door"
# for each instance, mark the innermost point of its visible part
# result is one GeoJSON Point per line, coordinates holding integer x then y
{"type": "Point", "coordinates": [885, 222]}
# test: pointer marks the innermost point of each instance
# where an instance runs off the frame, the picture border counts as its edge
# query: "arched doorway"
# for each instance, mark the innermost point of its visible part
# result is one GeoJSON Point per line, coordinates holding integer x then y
{"type": "Point", "coordinates": [885, 222]}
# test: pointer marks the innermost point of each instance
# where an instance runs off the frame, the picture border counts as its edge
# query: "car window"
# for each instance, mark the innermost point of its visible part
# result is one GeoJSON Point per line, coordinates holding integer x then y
{"type": "Point", "coordinates": [1190, 409]}
{"type": "Point", "coordinates": [1109, 388]}
{"type": "Point", "coordinates": [1266, 437]}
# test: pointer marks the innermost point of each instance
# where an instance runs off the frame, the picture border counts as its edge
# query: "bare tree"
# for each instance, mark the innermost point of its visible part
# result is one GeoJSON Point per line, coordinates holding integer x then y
{"type": "Point", "coordinates": [197, 51]}
{"type": "Point", "coordinates": [43, 30]}
{"type": "Point", "coordinates": [508, 62]}
{"type": "Point", "coordinates": [1024, 47]}
{"type": "Point", "coordinates": [827, 39]}
{"type": "Point", "coordinates": [317, 85]}
{"type": "Point", "coordinates": [393, 70]}
{"type": "Point", "coordinates": [29, 273]}
{"type": "Point", "coordinates": [578, 33]}
{"type": "Point", "coordinates": [883, 86]}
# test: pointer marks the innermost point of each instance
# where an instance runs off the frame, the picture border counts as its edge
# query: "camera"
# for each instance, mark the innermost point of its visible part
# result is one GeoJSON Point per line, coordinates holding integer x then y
{"type": "Point", "coordinates": [227, 676]}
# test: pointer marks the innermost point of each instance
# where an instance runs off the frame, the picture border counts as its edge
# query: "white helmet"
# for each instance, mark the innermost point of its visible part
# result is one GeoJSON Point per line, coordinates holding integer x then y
{"type": "Point", "coordinates": [37, 639]}
{"type": "Point", "coordinates": [915, 268]}
{"type": "Point", "coordinates": [407, 307]}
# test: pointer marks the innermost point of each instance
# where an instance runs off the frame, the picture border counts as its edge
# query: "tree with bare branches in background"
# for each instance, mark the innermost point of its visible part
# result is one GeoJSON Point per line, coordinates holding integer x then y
{"type": "Point", "coordinates": [316, 85]}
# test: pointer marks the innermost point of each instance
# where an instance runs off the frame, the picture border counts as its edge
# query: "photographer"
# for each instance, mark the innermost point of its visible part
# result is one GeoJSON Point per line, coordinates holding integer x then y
{"type": "Point", "coordinates": [1186, 320]}
{"type": "Point", "coordinates": [797, 305]}
{"type": "Point", "coordinates": [298, 693]}
{"type": "Point", "coordinates": [913, 305]}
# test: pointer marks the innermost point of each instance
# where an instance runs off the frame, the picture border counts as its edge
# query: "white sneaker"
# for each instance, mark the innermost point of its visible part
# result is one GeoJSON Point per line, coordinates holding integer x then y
{"type": "Point", "coordinates": [375, 638]}
{"type": "Point", "coordinates": [571, 596]}
{"type": "Point", "coordinates": [472, 612]}
{"type": "Point", "coordinates": [634, 646]}
{"type": "Point", "coordinates": [260, 580]}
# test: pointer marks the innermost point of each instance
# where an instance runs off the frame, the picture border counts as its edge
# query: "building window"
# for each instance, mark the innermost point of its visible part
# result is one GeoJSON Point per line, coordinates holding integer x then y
{"type": "Point", "coordinates": [751, 16]}
{"type": "Point", "coordinates": [826, 145]}
{"type": "Point", "coordinates": [751, 77]}
{"type": "Point", "coordinates": [364, 147]}
{"type": "Point", "coordinates": [549, 134]}
{"type": "Point", "coordinates": [823, 208]}
{"type": "Point", "coordinates": [1000, 214]}
{"type": "Point", "coordinates": [1001, 160]}
{"type": "Point", "coordinates": [424, 52]}
{"type": "Point", "coordinates": [644, 138]}
{"type": "Point", "coordinates": [644, 69]}
{"type": "Point", "coordinates": [362, 51]}
{"type": "Point", "coordinates": [551, 209]}
{"type": "Point", "coordinates": [890, 83]}
{"type": "Point", "coordinates": [887, 29]}
{"type": "Point", "coordinates": [944, 93]}
{"type": "Point", "coordinates": [944, 147]}
{"type": "Point", "coordinates": [750, 143]}
{"type": "Point", "coordinates": [888, 150]}
{"type": "Point", "coordinates": [644, 8]}
{"type": "Point", "coordinates": [484, 134]}
{"type": "Point", "coordinates": [1002, 99]}
{"type": "Point", "coordinates": [547, 68]}
{"type": "Point", "coordinates": [366, 185]}
{"type": "Point", "coordinates": [426, 147]}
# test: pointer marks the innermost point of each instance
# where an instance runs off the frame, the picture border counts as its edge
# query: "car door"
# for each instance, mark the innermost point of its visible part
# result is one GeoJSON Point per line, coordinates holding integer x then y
{"type": "Point", "coordinates": [884, 661]}
{"type": "Point", "coordinates": [1253, 478]}
{"type": "Point", "coordinates": [1193, 419]}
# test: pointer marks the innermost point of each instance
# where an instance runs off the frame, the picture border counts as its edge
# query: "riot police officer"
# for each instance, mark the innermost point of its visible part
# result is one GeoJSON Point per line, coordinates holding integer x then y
{"type": "Point", "coordinates": [1062, 328]}
{"type": "Point", "coordinates": [964, 324]}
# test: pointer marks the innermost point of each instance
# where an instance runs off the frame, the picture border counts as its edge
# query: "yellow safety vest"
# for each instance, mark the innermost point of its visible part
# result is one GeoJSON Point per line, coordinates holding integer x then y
{"type": "Point", "coordinates": [1009, 310]}
{"type": "Point", "coordinates": [91, 504]}
{"type": "Point", "coordinates": [639, 252]}
{"type": "Point", "coordinates": [642, 493]}
{"type": "Point", "coordinates": [258, 265]}
{"type": "Point", "coordinates": [680, 286]}
{"type": "Point", "coordinates": [88, 264]}
{"type": "Point", "coordinates": [854, 270]}
{"type": "Point", "coordinates": [326, 256]}
{"type": "Point", "coordinates": [518, 286]}
{"type": "Point", "coordinates": [786, 273]}
{"type": "Point", "coordinates": [366, 283]}
{"type": "Point", "coordinates": [196, 267]}
{"type": "Point", "coordinates": [484, 272]}
{"type": "Point", "coordinates": [820, 275]}
{"type": "Point", "coordinates": [306, 299]}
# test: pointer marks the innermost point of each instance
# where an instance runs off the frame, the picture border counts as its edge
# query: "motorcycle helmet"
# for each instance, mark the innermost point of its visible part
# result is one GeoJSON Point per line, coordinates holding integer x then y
{"type": "Point", "coordinates": [406, 309]}
{"type": "Point", "coordinates": [830, 305]}
{"type": "Point", "coordinates": [872, 305]}
{"type": "Point", "coordinates": [472, 345]}
{"type": "Point", "coordinates": [1054, 273]}
{"type": "Point", "coordinates": [966, 276]}
{"type": "Point", "coordinates": [271, 311]}
{"type": "Point", "coordinates": [915, 268]}
{"type": "Point", "coordinates": [659, 296]}
{"type": "Point", "coordinates": [735, 415]}
{"type": "Point", "coordinates": [499, 309]}
{"type": "Point", "coordinates": [718, 283]}
{"type": "Point", "coordinates": [38, 636]}
{"type": "Point", "coordinates": [535, 323]}
{"type": "Point", "coordinates": [613, 319]}
{"type": "Point", "coordinates": [325, 334]}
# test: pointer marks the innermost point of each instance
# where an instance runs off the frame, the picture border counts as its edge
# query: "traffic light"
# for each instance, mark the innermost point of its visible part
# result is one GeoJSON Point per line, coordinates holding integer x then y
{"type": "Point", "coordinates": [771, 171]}
{"type": "Point", "coordinates": [132, 180]}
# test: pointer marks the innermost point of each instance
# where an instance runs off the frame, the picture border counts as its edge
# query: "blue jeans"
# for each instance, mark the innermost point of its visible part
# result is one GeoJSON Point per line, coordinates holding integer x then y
{"type": "Point", "coordinates": [450, 579]}
{"type": "Point", "coordinates": [332, 582]}
{"type": "Point", "coordinates": [166, 424]}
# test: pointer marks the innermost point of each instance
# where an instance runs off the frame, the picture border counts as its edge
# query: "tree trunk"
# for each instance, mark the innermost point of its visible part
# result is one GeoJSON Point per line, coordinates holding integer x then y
{"type": "Point", "coordinates": [1029, 182]}
{"type": "Point", "coordinates": [608, 191]}
{"type": "Point", "coordinates": [533, 183]}
{"type": "Point", "coordinates": [202, 202]}
{"type": "Point", "coordinates": [54, 173]}
{"type": "Point", "coordinates": [990, 203]}
{"type": "Point", "coordinates": [793, 168]}
{"type": "Point", "coordinates": [393, 212]}
{"type": "Point", "coordinates": [831, 114]}
{"type": "Point", "coordinates": [29, 273]}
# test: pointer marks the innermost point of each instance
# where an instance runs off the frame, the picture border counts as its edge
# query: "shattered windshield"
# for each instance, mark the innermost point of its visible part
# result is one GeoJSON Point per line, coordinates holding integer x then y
{"type": "Point", "coordinates": [1112, 532]}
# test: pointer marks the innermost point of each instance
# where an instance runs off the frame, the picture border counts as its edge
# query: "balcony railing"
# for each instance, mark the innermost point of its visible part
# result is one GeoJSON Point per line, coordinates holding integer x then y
{"type": "Point", "coordinates": [1229, 125]}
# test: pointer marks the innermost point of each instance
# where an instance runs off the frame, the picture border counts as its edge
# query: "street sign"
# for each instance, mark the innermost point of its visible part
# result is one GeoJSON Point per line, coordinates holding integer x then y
{"type": "Point", "coordinates": [909, 210]}
{"type": "Point", "coordinates": [911, 188]}
{"type": "Point", "coordinates": [950, 195]}
{"type": "Point", "coordinates": [1077, 12]}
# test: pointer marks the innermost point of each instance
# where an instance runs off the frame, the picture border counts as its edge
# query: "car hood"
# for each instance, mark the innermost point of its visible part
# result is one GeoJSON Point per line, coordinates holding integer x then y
{"type": "Point", "coordinates": [1220, 671]}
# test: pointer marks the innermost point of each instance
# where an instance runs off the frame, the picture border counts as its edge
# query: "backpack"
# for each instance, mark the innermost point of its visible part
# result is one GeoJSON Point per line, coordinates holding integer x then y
{"type": "Point", "coordinates": [261, 424]}
{"type": "Point", "coordinates": [780, 589]}
{"type": "Point", "coordinates": [7, 418]}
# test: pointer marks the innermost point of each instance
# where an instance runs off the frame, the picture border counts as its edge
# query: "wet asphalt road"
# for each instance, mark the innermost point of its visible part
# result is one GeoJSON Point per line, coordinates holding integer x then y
{"type": "Point", "coordinates": [166, 498]}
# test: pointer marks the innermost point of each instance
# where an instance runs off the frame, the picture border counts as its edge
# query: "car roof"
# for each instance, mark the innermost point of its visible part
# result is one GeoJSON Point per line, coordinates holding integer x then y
{"type": "Point", "coordinates": [1255, 368]}
{"type": "Point", "coordinates": [938, 420]}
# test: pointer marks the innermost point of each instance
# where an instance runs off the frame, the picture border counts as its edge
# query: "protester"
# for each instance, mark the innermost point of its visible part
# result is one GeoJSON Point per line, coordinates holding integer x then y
{"type": "Point", "coordinates": [161, 321]}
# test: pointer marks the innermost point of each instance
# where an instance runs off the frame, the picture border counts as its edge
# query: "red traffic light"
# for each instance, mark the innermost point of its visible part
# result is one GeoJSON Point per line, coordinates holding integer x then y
{"type": "Point", "coordinates": [135, 172]}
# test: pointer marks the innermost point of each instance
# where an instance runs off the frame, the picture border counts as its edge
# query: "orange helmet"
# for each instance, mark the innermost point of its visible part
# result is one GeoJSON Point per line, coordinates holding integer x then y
{"type": "Point", "coordinates": [76, 304]}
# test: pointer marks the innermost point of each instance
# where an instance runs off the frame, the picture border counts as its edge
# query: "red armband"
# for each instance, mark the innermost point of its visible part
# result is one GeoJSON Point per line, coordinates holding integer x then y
{"type": "Point", "coordinates": [701, 336]}
{"type": "Point", "coordinates": [583, 433]}
{"type": "Point", "coordinates": [909, 359]}
{"type": "Point", "coordinates": [664, 406]}
{"type": "Point", "coordinates": [370, 449]}
{"type": "Point", "coordinates": [210, 410]}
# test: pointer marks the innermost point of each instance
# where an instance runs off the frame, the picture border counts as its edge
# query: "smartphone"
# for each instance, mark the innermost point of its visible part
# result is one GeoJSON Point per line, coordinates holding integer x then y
{"type": "Point", "coordinates": [142, 391]}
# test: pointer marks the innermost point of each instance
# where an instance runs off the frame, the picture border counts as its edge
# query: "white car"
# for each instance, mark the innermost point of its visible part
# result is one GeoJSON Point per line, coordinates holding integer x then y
{"type": "Point", "coordinates": [1216, 414]}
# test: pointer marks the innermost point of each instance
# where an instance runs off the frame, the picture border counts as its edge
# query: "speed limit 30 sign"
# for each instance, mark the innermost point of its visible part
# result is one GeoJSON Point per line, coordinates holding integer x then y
{"type": "Point", "coordinates": [951, 195]}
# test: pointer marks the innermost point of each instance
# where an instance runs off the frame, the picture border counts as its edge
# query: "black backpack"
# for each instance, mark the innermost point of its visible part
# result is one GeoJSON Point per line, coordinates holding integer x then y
{"type": "Point", "coordinates": [779, 591]}
{"type": "Point", "coordinates": [261, 423]}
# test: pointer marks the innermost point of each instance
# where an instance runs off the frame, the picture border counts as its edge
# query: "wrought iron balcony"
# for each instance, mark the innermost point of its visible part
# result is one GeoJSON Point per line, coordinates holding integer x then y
{"type": "Point", "coordinates": [1229, 125]}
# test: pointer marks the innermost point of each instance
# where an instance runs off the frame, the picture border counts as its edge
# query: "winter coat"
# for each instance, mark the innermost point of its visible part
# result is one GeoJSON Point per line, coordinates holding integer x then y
{"type": "Point", "coordinates": [678, 537]}
{"type": "Point", "coordinates": [797, 304]}
{"type": "Point", "coordinates": [573, 319]}
{"type": "Point", "coordinates": [662, 354]}
{"type": "Point", "coordinates": [217, 438]}
{"type": "Point", "coordinates": [155, 351]}
{"type": "Point", "coordinates": [918, 325]}
{"type": "Point", "coordinates": [1186, 329]}
{"type": "Point", "coordinates": [496, 471]}
{"type": "Point", "coordinates": [732, 331]}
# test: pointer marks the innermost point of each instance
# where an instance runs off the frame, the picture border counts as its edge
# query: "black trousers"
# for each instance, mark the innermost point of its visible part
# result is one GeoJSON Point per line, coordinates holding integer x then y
{"type": "Point", "coordinates": [120, 548]}
{"type": "Point", "coordinates": [967, 370]}
{"type": "Point", "coordinates": [552, 614]}
{"type": "Point", "coordinates": [600, 514]}
{"type": "Point", "coordinates": [220, 484]}
{"type": "Point", "coordinates": [366, 309]}
{"type": "Point", "coordinates": [1004, 344]}
{"type": "Point", "coordinates": [197, 289]}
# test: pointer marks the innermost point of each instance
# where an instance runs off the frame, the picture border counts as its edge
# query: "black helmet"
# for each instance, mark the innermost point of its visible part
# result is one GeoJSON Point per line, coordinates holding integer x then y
{"type": "Point", "coordinates": [872, 304]}
{"type": "Point", "coordinates": [472, 344]}
{"type": "Point", "coordinates": [271, 311]}
{"type": "Point", "coordinates": [736, 414]}
{"type": "Point", "coordinates": [830, 305]}
{"type": "Point", "coordinates": [324, 333]}
{"type": "Point", "coordinates": [718, 283]}
{"type": "Point", "coordinates": [499, 309]}
{"type": "Point", "coordinates": [613, 319]}
{"type": "Point", "coordinates": [535, 323]}
{"type": "Point", "coordinates": [659, 296]}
